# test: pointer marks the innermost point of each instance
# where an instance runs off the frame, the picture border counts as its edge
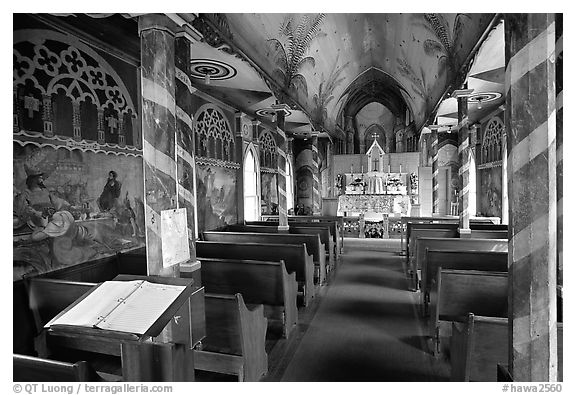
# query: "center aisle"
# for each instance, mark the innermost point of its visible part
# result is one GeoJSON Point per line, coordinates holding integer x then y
{"type": "Point", "coordinates": [366, 327]}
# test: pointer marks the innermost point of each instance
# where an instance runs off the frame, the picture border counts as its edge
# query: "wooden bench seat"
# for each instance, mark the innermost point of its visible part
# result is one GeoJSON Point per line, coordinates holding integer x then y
{"type": "Point", "coordinates": [34, 369]}
{"type": "Point", "coordinates": [312, 242]}
{"type": "Point", "coordinates": [259, 282]}
{"type": "Point", "coordinates": [416, 231]}
{"type": "Point", "coordinates": [333, 226]}
{"type": "Point", "coordinates": [323, 232]}
{"type": "Point", "coordinates": [235, 341]}
{"type": "Point", "coordinates": [295, 257]}
{"type": "Point", "coordinates": [459, 292]}
{"type": "Point", "coordinates": [455, 244]}
{"type": "Point", "coordinates": [490, 261]}
{"type": "Point", "coordinates": [479, 344]}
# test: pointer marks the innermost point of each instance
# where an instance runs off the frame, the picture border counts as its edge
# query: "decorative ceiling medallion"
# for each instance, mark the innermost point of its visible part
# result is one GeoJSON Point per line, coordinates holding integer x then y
{"type": "Point", "coordinates": [216, 70]}
{"type": "Point", "coordinates": [484, 97]}
{"type": "Point", "coordinates": [269, 112]}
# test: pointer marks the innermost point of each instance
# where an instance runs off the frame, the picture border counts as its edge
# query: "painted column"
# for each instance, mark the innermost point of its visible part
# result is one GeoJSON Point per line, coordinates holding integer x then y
{"type": "Point", "coordinates": [100, 127]}
{"type": "Point", "coordinates": [185, 162]}
{"type": "Point", "coordinates": [531, 124]}
{"type": "Point", "coordinates": [435, 186]}
{"type": "Point", "coordinates": [559, 149]}
{"type": "Point", "coordinates": [15, 106]}
{"type": "Point", "coordinates": [464, 159]}
{"type": "Point", "coordinates": [349, 128]}
{"type": "Point", "coordinates": [290, 204]}
{"type": "Point", "coordinates": [316, 194]}
{"type": "Point", "coordinates": [504, 177]}
{"type": "Point", "coordinates": [472, 207]}
{"type": "Point", "coordinates": [158, 132]}
{"type": "Point", "coordinates": [282, 146]}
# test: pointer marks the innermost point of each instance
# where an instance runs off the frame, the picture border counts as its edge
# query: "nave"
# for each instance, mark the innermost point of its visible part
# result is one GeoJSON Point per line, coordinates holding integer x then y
{"type": "Point", "coordinates": [366, 327]}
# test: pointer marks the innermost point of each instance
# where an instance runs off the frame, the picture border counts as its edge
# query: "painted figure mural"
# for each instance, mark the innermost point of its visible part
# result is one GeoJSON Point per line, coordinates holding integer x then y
{"type": "Point", "coordinates": [216, 195]}
{"type": "Point", "coordinates": [59, 215]}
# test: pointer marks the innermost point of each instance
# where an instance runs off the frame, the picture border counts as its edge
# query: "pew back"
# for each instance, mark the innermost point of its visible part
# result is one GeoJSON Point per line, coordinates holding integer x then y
{"type": "Point", "coordinates": [259, 282]}
{"type": "Point", "coordinates": [33, 369]}
{"type": "Point", "coordinates": [312, 242]}
{"type": "Point", "coordinates": [470, 291]}
{"type": "Point", "coordinates": [48, 297]}
{"type": "Point", "coordinates": [491, 261]}
{"type": "Point", "coordinates": [295, 258]}
{"type": "Point", "coordinates": [448, 231]}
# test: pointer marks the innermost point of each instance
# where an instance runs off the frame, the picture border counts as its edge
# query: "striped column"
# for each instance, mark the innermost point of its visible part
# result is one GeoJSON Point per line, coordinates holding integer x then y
{"type": "Point", "coordinates": [158, 133]}
{"type": "Point", "coordinates": [349, 128]}
{"type": "Point", "coordinates": [185, 141]}
{"type": "Point", "coordinates": [281, 146]}
{"type": "Point", "coordinates": [464, 170]}
{"type": "Point", "coordinates": [316, 195]}
{"type": "Point", "coordinates": [505, 210]}
{"type": "Point", "coordinates": [559, 146]}
{"type": "Point", "coordinates": [530, 45]}
{"type": "Point", "coordinates": [435, 198]}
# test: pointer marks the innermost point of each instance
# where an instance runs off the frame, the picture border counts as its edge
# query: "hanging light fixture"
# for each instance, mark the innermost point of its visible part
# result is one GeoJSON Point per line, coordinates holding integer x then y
{"type": "Point", "coordinates": [479, 102]}
{"type": "Point", "coordinates": [207, 78]}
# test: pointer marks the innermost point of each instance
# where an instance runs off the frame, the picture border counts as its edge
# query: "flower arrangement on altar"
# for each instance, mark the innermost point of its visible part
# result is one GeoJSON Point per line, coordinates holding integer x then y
{"type": "Point", "coordinates": [413, 182]}
{"type": "Point", "coordinates": [393, 181]}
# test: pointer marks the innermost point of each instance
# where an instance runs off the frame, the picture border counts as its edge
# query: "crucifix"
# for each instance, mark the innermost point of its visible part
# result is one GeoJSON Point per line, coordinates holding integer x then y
{"type": "Point", "coordinates": [112, 123]}
{"type": "Point", "coordinates": [31, 104]}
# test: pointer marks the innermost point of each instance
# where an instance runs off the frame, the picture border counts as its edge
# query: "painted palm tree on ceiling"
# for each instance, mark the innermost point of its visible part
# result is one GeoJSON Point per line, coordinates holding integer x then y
{"type": "Point", "coordinates": [290, 53]}
{"type": "Point", "coordinates": [324, 95]}
{"type": "Point", "coordinates": [445, 45]}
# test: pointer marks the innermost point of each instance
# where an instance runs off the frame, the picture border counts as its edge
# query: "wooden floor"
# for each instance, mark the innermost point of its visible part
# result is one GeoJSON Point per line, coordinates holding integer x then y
{"type": "Point", "coordinates": [363, 326]}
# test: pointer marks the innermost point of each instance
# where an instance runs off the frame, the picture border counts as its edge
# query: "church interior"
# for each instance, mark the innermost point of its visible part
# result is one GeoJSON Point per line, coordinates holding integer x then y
{"type": "Point", "coordinates": [287, 197]}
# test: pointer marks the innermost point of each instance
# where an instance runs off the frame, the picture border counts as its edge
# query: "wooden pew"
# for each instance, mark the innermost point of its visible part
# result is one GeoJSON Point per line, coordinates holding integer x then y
{"type": "Point", "coordinates": [34, 369]}
{"type": "Point", "coordinates": [48, 297]}
{"type": "Point", "coordinates": [455, 244]}
{"type": "Point", "coordinates": [312, 242]}
{"type": "Point", "coordinates": [459, 292]}
{"type": "Point", "coordinates": [235, 342]}
{"type": "Point", "coordinates": [323, 232]}
{"type": "Point", "coordinates": [489, 234]}
{"type": "Point", "coordinates": [295, 258]}
{"type": "Point", "coordinates": [332, 225]}
{"type": "Point", "coordinates": [490, 261]}
{"type": "Point", "coordinates": [415, 230]}
{"type": "Point", "coordinates": [259, 282]}
{"type": "Point", "coordinates": [479, 344]}
{"type": "Point", "coordinates": [475, 223]}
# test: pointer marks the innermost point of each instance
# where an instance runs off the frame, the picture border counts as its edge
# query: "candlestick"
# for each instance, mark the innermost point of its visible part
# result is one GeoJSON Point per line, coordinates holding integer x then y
{"type": "Point", "coordinates": [362, 169]}
{"type": "Point", "coordinates": [400, 168]}
{"type": "Point", "coordinates": [388, 168]}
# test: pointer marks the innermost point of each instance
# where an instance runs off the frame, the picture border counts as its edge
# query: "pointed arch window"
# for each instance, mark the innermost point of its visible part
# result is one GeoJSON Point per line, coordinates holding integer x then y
{"type": "Point", "coordinates": [492, 141]}
{"type": "Point", "coordinates": [251, 205]}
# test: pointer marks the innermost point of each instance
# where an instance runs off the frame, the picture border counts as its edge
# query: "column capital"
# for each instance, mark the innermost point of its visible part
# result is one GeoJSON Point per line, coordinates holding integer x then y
{"type": "Point", "coordinates": [459, 93]}
{"type": "Point", "coordinates": [157, 22]}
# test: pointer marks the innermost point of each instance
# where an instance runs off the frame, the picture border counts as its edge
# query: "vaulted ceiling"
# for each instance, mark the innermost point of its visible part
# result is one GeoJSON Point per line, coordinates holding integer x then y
{"type": "Point", "coordinates": [325, 66]}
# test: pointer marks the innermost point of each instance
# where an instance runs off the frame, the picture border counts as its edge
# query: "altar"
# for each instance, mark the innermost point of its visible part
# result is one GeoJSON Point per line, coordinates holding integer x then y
{"type": "Point", "coordinates": [371, 205]}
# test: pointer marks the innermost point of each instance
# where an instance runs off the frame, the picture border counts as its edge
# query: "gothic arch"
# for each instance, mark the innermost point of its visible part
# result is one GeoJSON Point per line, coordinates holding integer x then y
{"type": "Point", "coordinates": [214, 138]}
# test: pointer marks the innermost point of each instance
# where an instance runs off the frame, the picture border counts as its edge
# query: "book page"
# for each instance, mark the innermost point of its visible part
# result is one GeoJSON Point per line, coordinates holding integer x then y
{"type": "Point", "coordinates": [96, 305]}
{"type": "Point", "coordinates": [137, 313]}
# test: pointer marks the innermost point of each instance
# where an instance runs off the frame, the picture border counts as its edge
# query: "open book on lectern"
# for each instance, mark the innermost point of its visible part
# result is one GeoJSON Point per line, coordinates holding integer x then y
{"type": "Point", "coordinates": [123, 306]}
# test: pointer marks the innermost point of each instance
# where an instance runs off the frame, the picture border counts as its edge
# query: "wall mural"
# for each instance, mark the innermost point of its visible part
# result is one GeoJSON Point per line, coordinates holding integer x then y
{"type": "Point", "coordinates": [269, 193]}
{"type": "Point", "coordinates": [71, 206]}
{"type": "Point", "coordinates": [77, 166]}
{"type": "Point", "coordinates": [490, 200]}
{"type": "Point", "coordinates": [215, 196]}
